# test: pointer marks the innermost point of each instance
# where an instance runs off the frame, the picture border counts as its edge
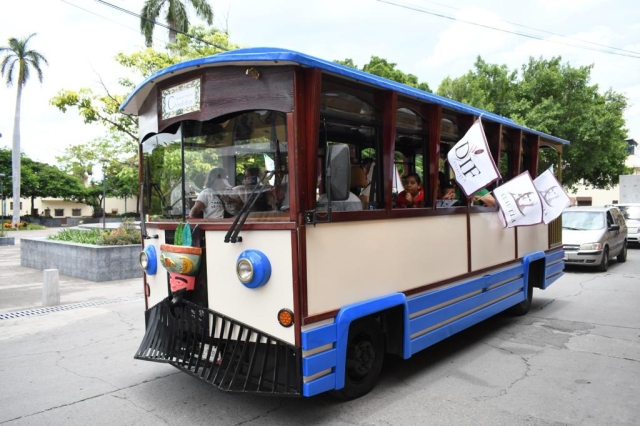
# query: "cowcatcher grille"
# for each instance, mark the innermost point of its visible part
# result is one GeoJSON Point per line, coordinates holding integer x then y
{"type": "Point", "coordinates": [220, 350]}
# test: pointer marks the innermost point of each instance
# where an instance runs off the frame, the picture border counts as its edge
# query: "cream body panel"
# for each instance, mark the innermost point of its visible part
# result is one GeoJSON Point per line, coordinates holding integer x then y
{"type": "Point", "coordinates": [355, 261]}
{"type": "Point", "coordinates": [532, 238]}
{"type": "Point", "coordinates": [491, 243]}
{"type": "Point", "coordinates": [258, 308]}
{"type": "Point", "coordinates": [159, 282]}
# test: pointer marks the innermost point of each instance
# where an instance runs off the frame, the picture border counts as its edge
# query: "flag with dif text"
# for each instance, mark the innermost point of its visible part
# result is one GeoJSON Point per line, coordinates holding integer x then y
{"type": "Point", "coordinates": [519, 201]}
{"type": "Point", "coordinates": [471, 161]}
{"type": "Point", "coordinates": [554, 197]}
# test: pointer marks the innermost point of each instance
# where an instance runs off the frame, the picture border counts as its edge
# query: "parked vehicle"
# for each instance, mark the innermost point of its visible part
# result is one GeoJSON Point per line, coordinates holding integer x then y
{"type": "Point", "coordinates": [594, 235]}
{"type": "Point", "coordinates": [631, 213]}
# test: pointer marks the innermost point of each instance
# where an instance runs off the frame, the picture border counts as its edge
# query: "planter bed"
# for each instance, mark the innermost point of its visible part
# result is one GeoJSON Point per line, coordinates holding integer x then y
{"type": "Point", "coordinates": [89, 262]}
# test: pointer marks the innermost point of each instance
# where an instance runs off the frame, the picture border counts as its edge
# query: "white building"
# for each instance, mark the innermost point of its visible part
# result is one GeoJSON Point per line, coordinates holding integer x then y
{"type": "Point", "coordinates": [599, 197]}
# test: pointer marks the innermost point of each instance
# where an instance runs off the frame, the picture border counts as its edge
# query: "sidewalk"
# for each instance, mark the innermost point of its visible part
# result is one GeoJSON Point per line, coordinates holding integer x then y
{"type": "Point", "coordinates": [21, 287]}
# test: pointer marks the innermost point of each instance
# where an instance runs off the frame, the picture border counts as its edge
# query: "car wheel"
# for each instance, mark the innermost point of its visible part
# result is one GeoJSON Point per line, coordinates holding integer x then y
{"type": "Point", "coordinates": [604, 263]}
{"type": "Point", "coordinates": [622, 257]}
{"type": "Point", "coordinates": [365, 353]}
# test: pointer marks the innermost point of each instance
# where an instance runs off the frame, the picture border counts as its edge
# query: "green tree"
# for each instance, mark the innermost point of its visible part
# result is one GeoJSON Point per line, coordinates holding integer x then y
{"type": "Point", "coordinates": [42, 180]}
{"type": "Point", "coordinates": [176, 16]}
{"type": "Point", "coordinates": [558, 99]}
{"type": "Point", "coordinates": [490, 87]}
{"type": "Point", "coordinates": [16, 66]}
{"type": "Point", "coordinates": [383, 68]}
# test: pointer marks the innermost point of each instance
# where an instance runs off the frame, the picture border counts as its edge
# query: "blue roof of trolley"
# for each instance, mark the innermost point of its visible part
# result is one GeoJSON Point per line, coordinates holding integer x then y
{"type": "Point", "coordinates": [265, 55]}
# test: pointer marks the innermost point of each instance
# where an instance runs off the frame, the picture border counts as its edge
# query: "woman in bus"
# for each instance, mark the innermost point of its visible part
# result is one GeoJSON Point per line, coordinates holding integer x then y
{"type": "Point", "coordinates": [211, 202]}
{"type": "Point", "coordinates": [413, 195]}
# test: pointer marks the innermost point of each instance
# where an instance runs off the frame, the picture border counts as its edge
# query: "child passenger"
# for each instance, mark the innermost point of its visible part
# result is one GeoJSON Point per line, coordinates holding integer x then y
{"type": "Point", "coordinates": [413, 195]}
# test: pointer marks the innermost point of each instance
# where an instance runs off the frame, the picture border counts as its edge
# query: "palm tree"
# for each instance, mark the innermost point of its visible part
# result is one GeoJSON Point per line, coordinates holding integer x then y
{"type": "Point", "coordinates": [176, 16]}
{"type": "Point", "coordinates": [16, 66]}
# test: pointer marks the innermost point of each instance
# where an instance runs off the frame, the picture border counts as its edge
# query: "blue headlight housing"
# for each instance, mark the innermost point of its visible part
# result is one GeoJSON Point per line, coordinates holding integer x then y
{"type": "Point", "coordinates": [149, 260]}
{"type": "Point", "coordinates": [253, 268]}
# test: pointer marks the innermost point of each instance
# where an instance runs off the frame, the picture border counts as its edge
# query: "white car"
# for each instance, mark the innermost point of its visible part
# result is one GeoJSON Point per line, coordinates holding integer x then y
{"type": "Point", "coordinates": [631, 213]}
{"type": "Point", "coordinates": [591, 236]}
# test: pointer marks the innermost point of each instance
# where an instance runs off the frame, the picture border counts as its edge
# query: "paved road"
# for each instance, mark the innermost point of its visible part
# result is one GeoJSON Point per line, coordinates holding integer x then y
{"type": "Point", "coordinates": [21, 288]}
{"type": "Point", "coordinates": [574, 360]}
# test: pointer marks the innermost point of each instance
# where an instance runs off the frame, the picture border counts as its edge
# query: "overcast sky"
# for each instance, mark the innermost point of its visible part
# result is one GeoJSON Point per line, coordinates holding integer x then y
{"type": "Point", "coordinates": [81, 37]}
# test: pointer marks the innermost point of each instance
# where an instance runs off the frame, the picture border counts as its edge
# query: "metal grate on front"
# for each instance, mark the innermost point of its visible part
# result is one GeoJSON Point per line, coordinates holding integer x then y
{"type": "Point", "coordinates": [224, 352]}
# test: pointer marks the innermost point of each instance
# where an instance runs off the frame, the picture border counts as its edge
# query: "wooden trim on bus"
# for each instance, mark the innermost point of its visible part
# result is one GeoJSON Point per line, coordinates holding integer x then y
{"type": "Point", "coordinates": [302, 263]}
{"type": "Point", "coordinates": [493, 131]}
{"type": "Point", "coordinates": [433, 113]}
{"type": "Point", "coordinates": [297, 297]}
{"type": "Point", "coordinates": [308, 133]}
{"type": "Point", "coordinates": [293, 161]}
{"type": "Point", "coordinates": [534, 141]}
{"type": "Point", "coordinates": [516, 149]}
{"type": "Point", "coordinates": [389, 112]}
{"type": "Point", "coordinates": [224, 226]}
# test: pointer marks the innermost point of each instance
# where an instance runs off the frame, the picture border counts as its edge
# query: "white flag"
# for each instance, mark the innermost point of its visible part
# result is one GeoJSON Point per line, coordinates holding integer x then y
{"type": "Point", "coordinates": [471, 161]}
{"type": "Point", "coordinates": [519, 201]}
{"type": "Point", "coordinates": [553, 196]}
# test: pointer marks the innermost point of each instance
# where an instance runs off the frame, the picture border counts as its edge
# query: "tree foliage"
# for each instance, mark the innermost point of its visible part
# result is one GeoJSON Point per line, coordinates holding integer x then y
{"type": "Point", "coordinates": [16, 66]}
{"type": "Point", "coordinates": [41, 180]}
{"type": "Point", "coordinates": [556, 98]}
{"type": "Point", "coordinates": [383, 68]}
{"type": "Point", "coordinates": [117, 150]}
{"type": "Point", "coordinates": [175, 14]}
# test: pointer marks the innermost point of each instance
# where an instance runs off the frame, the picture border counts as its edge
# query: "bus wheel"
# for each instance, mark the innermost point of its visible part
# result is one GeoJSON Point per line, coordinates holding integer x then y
{"type": "Point", "coordinates": [365, 353]}
{"type": "Point", "coordinates": [523, 307]}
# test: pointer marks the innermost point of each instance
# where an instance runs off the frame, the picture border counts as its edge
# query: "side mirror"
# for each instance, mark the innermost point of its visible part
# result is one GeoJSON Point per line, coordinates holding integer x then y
{"type": "Point", "coordinates": [614, 228]}
{"type": "Point", "coordinates": [338, 171]}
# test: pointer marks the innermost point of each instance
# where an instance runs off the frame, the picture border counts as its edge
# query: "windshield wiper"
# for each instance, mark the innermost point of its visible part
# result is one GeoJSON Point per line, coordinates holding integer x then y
{"type": "Point", "coordinates": [236, 226]}
{"type": "Point", "coordinates": [572, 229]}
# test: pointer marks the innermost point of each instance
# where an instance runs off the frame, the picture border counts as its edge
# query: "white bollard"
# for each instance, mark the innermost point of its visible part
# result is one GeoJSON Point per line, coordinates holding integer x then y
{"type": "Point", "coordinates": [51, 287]}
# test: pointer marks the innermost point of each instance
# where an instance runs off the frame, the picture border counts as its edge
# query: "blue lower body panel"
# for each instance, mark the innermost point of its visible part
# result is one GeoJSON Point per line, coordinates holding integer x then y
{"type": "Point", "coordinates": [428, 318]}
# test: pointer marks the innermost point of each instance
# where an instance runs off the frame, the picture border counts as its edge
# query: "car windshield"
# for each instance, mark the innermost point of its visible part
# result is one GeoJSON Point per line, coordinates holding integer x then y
{"type": "Point", "coordinates": [630, 212]}
{"type": "Point", "coordinates": [582, 221]}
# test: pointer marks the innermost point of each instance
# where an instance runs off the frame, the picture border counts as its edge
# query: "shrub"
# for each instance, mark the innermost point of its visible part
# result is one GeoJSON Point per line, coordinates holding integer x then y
{"type": "Point", "coordinates": [126, 234]}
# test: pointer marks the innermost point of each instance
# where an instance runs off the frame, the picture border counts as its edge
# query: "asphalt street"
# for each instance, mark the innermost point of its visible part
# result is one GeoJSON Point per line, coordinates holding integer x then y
{"type": "Point", "coordinates": [573, 360]}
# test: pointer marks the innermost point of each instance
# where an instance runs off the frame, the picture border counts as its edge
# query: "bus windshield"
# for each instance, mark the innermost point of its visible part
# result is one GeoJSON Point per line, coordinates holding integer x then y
{"type": "Point", "coordinates": [208, 170]}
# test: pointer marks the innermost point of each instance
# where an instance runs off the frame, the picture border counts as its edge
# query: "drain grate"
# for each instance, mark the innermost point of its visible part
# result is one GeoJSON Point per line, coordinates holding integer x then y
{"type": "Point", "coordinates": [59, 308]}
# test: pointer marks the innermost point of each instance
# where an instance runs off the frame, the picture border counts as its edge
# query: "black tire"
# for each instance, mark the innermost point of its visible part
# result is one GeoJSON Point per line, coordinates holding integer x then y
{"type": "Point", "coordinates": [523, 307]}
{"type": "Point", "coordinates": [604, 263]}
{"type": "Point", "coordinates": [622, 257]}
{"type": "Point", "coordinates": [365, 354]}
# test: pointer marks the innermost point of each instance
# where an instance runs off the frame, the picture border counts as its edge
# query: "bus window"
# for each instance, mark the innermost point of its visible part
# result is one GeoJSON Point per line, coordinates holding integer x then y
{"type": "Point", "coordinates": [162, 177]}
{"type": "Point", "coordinates": [226, 159]}
{"type": "Point", "coordinates": [348, 116]}
{"type": "Point", "coordinates": [411, 145]}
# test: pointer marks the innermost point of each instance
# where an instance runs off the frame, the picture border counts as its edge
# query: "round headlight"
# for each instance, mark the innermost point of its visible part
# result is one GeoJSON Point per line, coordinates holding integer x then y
{"type": "Point", "coordinates": [244, 270]}
{"type": "Point", "coordinates": [148, 260]}
{"type": "Point", "coordinates": [143, 260]}
{"type": "Point", "coordinates": [253, 268]}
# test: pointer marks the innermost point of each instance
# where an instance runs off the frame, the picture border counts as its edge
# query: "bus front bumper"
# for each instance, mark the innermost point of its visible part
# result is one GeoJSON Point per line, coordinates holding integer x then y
{"type": "Point", "coordinates": [219, 350]}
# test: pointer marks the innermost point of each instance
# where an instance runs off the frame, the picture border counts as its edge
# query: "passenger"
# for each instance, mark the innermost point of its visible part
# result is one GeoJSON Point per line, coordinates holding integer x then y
{"type": "Point", "coordinates": [480, 198]}
{"type": "Point", "coordinates": [241, 193]}
{"type": "Point", "coordinates": [443, 182]}
{"type": "Point", "coordinates": [413, 195]}
{"type": "Point", "coordinates": [211, 202]}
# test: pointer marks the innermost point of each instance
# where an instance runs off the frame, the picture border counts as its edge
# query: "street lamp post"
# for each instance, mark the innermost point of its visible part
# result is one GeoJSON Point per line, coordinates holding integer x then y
{"type": "Point", "coordinates": [104, 194]}
{"type": "Point", "coordinates": [2, 175]}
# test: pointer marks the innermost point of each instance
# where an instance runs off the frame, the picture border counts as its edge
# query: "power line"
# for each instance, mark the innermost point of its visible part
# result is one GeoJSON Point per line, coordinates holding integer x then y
{"type": "Point", "coordinates": [105, 18]}
{"type": "Point", "coordinates": [121, 9]}
{"type": "Point", "coordinates": [635, 55]}
{"type": "Point", "coordinates": [544, 31]}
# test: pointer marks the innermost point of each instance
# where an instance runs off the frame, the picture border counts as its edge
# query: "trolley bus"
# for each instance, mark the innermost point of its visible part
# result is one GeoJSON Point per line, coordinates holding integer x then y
{"type": "Point", "coordinates": [277, 258]}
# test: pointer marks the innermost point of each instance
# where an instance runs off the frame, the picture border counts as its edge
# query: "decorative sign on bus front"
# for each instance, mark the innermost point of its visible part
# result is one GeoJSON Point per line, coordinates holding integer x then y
{"type": "Point", "coordinates": [181, 99]}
